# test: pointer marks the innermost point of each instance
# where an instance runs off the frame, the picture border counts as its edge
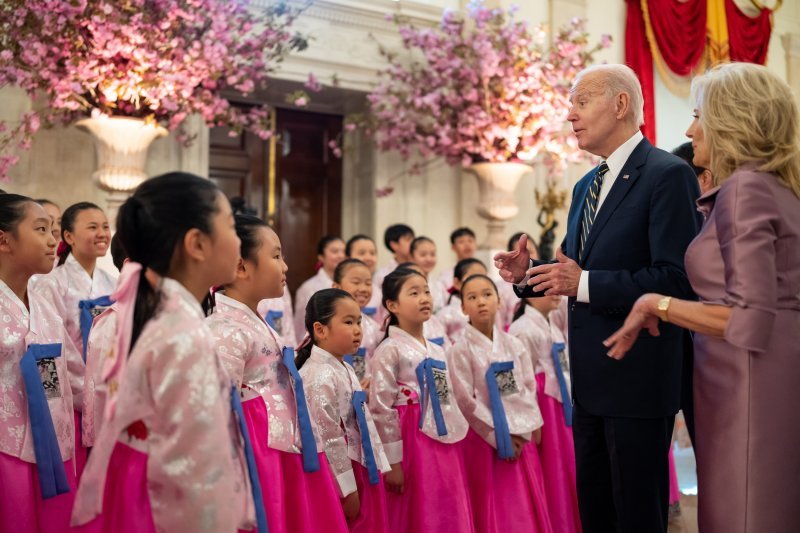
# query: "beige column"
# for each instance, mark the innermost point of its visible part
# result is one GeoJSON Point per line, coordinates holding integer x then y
{"type": "Point", "coordinates": [791, 44]}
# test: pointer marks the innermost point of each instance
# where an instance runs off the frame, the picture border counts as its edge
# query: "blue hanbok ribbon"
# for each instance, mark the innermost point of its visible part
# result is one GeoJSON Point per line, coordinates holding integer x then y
{"type": "Point", "coordinates": [437, 340]}
{"type": "Point", "coordinates": [566, 399]}
{"type": "Point", "coordinates": [310, 458]}
{"type": "Point", "coordinates": [505, 449]}
{"type": "Point", "coordinates": [272, 317]}
{"type": "Point", "coordinates": [369, 311]}
{"type": "Point", "coordinates": [359, 401]}
{"type": "Point", "coordinates": [86, 307]}
{"type": "Point", "coordinates": [427, 388]}
{"type": "Point", "coordinates": [252, 470]}
{"type": "Point", "coordinates": [49, 464]}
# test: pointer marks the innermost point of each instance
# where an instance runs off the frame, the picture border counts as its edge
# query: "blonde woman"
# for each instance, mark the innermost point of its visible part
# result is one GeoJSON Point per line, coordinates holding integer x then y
{"type": "Point", "coordinates": [745, 267]}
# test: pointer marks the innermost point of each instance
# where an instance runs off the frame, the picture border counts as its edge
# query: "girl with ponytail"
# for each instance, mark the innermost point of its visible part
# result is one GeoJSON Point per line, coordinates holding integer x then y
{"type": "Point", "coordinates": [411, 400]}
{"type": "Point", "coordinates": [495, 389]}
{"type": "Point", "coordinates": [298, 491]}
{"type": "Point", "coordinates": [79, 290]}
{"type": "Point", "coordinates": [351, 442]}
{"type": "Point", "coordinates": [169, 425]}
{"type": "Point", "coordinates": [37, 474]}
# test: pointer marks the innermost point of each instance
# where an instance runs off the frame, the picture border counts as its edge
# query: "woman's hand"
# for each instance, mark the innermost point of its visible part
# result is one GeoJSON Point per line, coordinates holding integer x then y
{"type": "Point", "coordinates": [395, 479]}
{"type": "Point", "coordinates": [351, 505]}
{"type": "Point", "coordinates": [644, 315]}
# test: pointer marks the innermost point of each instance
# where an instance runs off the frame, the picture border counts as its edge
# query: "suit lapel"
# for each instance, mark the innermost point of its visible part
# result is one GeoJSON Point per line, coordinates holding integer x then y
{"type": "Point", "coordinates": [622, 185]}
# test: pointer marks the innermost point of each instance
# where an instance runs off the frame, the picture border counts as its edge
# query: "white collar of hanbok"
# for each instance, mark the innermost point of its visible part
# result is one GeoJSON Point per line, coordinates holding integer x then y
{"type": "Point", "coordinates": [402, 336]}
{"type": "Point", "coordinates": [475, 336]}
{"type": "Point", "coordinates": [172, 287]}
{"type": "Point", "coordinates": [8, 293]}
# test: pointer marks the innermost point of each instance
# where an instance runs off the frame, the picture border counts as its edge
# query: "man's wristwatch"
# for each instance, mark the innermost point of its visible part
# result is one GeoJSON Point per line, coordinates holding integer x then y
{"type": "Point", "coordinates": [663, 308]}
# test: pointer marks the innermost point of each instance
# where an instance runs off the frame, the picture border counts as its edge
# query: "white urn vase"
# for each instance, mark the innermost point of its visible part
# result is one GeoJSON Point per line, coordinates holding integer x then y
{"type": "Point", "coordinates": [121, 144]}
{"type": "Point", "coordinates": [497, 204]}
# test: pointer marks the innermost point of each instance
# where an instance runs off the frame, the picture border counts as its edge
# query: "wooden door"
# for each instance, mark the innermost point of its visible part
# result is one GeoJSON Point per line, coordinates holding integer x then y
{"type": "Point", "coordinates": [308, 187]}
{"type": "Point", "coordinates": [306, 182]}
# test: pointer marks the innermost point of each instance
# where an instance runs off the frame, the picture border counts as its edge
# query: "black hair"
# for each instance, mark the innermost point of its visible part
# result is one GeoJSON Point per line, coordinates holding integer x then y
{"type": "Point", "coordinates": [151, 225]}
{"type": "Point", "coordinates": [68, 218]}
{"type": "Point", "coordinates": [686, 152]}
{"type": "Point", "coordinates": [320, 308]}
{"type": "Point", "coordinates": [247, 227]}
{"type": "Point", "coordinates": [118, 254]}
{"type": "Point", "coordinates": [407, 264]}
{"type": "Point", "coordinates": [42, 201]}
{"type": "Point", "coordinates": [324, 242]}
{"type": "Point", "coordinates": [344, 266]}
{"type": "Point", "coordinates": [475, 277]}
{"type": "Point", "coordinates": [12, 211]}
{"type": "Point", "coordinates": [520, 309]}
{"type": "Point", "coordinates": [239, 206]}
{"type": "Point", "coordinates": [460, 270]}
{"type": "Point", "coordinates": [461, 232]}
{"type": "Point", "coordinates": [348, 247]}
{"type": "Point", "coordinates": [417, 241]}
{"type": "Point", "coordinates": [394, 233]}
{"type": "Point", "coordinates": [390, 288]}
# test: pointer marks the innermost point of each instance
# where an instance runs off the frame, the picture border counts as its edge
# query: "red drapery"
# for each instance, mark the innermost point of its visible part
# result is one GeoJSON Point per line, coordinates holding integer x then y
{"type": "Point", "coordinates": [679, 29]}
{"type": "Point", "coordinates": [640, 59]}
{"type": "Point", "coordinates": [748, 37]}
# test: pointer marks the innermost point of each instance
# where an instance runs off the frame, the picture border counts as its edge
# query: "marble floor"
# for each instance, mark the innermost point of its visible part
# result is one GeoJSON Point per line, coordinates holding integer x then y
{"type": "Point", "coordinates": [687, 481]}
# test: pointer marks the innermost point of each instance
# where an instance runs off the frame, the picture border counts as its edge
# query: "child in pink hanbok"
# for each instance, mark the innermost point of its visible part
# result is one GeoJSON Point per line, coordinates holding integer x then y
{"type": "Point", "coordinates": [433, 329]}
{"type": "Point", "coordinates": [418, 419]}
{"type": "Point", "coordinates": [354, 277]}
{"type": "Point", "coordinates": [363, 248]}
{"type": "Point", "coordinates": [494, 385]}
{"type": "Point", "coordinates": [79, 290]}
{"type": "Point", "coordinates": [37, 476]}
{"type": "Point", "coordinates": [330, 252]}
{"type": "Point", "coordinates": [544, 345]}
{"type": "Point", "coordinates": [299, 493]}
{"type": "Point", "coordinates": [451, 315]}
{"type": "Point", "coordinates": [338, 405]}
{"type": "Point", "coordinates": [171, 454]}
{"type": "Point", "coordinates": [423, 253]}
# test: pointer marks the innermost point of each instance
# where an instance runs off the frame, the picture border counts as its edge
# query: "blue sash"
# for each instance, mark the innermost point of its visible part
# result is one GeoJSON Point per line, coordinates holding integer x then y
{"type": "Point", "coordinates": [52, 477]}
{"type": "Point", "coordinates": [272, 317]}
{"type": "Point", "coordinates": [359, 401]}
{"type": "Point", "coordinates": [369, 311]}
{"type": "Point", "coordinates": [427, 388]}
{"type": "Point", "coordinates": [86, 319]}
{"type": "Point", "coordinates": [505, 448]}
{"type": "Point", "coordinates": [566, 399]}
{"type": "Point", "coordinates": [437, 340]}
{"type": "Point", "coordinates": [252, 470]}
{"type": "Point", "coordinates": [310, 458]}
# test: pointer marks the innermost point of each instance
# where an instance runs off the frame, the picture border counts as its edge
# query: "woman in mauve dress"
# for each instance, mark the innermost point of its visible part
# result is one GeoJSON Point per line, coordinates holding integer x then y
{"type": "Point", "coordinates": [745, 267]}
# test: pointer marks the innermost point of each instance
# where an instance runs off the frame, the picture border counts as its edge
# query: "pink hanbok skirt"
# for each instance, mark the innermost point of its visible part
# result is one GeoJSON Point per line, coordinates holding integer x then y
{"type": "Point", "coordinates": [435, 497]}
{"type": "Point", "coordinates": [557, 454]}
{"type": "Point", "coordinates": [372, 518]}
{"type": "Point", "coordinates": [294, 500]}
{"type": "Point", "coordinates": [505, 496]}
{"type": "Point", "coordinates": [22, 509]}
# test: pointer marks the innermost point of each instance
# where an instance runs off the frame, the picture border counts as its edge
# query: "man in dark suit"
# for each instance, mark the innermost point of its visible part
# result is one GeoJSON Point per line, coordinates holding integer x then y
{"type": "Point", "coordinates": [630, 222]}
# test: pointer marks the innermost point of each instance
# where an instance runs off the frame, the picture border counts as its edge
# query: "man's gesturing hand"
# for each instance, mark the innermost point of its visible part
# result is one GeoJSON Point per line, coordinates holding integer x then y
{"type": "Point", "coordinates": [512, 265]}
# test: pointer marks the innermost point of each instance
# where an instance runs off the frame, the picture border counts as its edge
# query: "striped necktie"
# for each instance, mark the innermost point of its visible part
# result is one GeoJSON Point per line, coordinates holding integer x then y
{"type": "Point", "coordinates": [590, 206]}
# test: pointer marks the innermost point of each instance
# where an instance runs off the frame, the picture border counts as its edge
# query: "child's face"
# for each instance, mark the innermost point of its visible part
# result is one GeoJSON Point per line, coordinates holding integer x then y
{"type": "Point", "coordinates": [31, 246]}
{"type": "Point", "coordinates": [225, 249]}
{"type": "Point", "coordinates": [364, 250]}
{"type": "Point", "coordinates": [342, 334]}
{"type": "Point", "coordinates": [91, 234]}
{"type": "Point", "coordinates": [269, 269]}
{"type": "Point", "coordinates": [332, 256]}
{"type": "Point", "coordinates": [479, 301]}
{"type": "Point", "coordinates": [402, 247]}
{"type": "Point", "coordinates": [464, 247]}
{"type": "Point", "coordinates": [414, 304]}
{"type": "Point", "coordinates": [473, 269]}
{"type": "Point", "coordinates": [425, 256]}
{"type": "Point", "coordinates": [357, 280]}
{"type": "Point", "coordinates": [55, 216]}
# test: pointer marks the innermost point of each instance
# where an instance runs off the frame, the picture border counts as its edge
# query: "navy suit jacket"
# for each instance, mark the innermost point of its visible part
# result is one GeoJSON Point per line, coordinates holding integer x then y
{"type": "Point", "coordinates": [635, 246]}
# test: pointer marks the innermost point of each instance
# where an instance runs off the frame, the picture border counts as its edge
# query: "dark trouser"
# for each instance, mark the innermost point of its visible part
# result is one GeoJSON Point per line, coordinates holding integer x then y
{"type": "Point", "coordinates": [623, 472]}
